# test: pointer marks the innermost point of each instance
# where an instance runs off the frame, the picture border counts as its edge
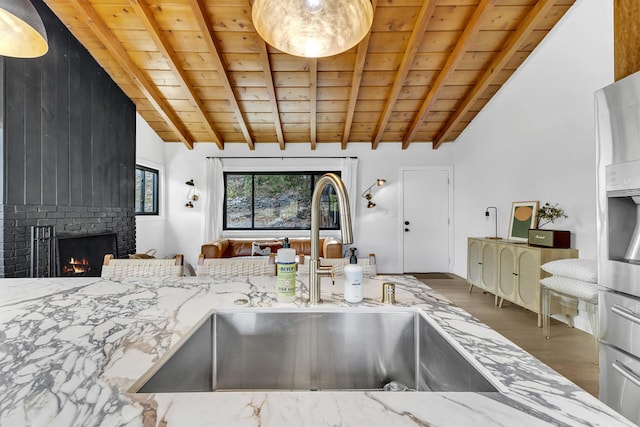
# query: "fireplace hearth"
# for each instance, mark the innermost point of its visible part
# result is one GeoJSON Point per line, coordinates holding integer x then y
{"type": "Point", "coordinates": [82, 254]}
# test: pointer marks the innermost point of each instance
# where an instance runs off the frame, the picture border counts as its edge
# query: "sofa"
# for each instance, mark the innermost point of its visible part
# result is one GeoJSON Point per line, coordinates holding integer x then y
{"type": "Point", "coordinates": [330, 247]}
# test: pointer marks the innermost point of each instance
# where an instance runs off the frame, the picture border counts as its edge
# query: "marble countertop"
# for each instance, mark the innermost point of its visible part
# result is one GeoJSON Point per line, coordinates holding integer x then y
{"type": "Point", "coordinates": [70, 349]}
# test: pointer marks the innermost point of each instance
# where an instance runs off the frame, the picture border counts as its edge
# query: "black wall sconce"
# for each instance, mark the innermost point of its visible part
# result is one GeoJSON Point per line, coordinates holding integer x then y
{"type": "Point", "coordinates": [366, 194]}
{"type": "Point", "coordinates": [192, 196]}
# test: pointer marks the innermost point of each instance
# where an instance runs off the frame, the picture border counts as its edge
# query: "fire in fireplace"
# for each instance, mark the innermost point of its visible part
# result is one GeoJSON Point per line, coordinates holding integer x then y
{"type": "Point", "coordinates": [74, 267]}
{"type": "Point", "coordinates": [82, 255]}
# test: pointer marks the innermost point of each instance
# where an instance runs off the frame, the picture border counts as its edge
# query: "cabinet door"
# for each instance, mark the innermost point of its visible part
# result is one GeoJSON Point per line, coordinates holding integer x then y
{"type": "Point", "coordinates": [489, 267]}
{"type": "Point", "coordinates": [528, 269]}
{"type": "Point", "coordinates": [474, 262]}
{"type": "Point", "coordinates": [506, 272]}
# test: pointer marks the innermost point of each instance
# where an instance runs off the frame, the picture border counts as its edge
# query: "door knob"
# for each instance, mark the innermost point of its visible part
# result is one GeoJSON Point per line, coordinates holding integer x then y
{"type": "Point", "coordinates": [406, 229]}
{"type": "Point", "coordinates": [406, 223]}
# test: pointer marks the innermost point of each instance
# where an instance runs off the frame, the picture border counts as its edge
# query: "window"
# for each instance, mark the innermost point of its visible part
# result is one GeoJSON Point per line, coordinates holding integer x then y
{"type": "Point", "coordinates": [276, 201]}
{"type": "Point", "coordinates": [146, 191]}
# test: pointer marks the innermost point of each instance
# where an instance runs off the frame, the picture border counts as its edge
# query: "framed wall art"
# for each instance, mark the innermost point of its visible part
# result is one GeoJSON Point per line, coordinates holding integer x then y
{"type": "Point", "coordinates": [524, 215]}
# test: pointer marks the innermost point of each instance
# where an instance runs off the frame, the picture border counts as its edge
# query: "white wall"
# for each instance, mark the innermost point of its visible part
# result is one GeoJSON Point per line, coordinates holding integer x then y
{"type": "Point", "coordinates": [150, 230]}
{"type": "Point", "coordinates": [376, 230]}
{"type": "Point", "coordinates": [535, 140]}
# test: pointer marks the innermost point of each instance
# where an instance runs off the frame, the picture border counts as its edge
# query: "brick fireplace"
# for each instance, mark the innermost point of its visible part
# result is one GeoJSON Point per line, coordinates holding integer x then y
{"type": "Point", "coordinates": [80, 255]}
{"type": "Point", "coordinates": [67, 135]}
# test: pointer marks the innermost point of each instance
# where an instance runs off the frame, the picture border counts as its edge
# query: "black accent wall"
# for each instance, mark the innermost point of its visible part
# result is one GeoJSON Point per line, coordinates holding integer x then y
{"type": "Point", "coordinates": [67, 133]}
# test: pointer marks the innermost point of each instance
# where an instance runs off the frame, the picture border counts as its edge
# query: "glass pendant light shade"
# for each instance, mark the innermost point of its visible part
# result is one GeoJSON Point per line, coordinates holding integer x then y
{"type": "Point", "coordinates": [22, 33]}
{"type": "Point", "coordinates": [312, 28]}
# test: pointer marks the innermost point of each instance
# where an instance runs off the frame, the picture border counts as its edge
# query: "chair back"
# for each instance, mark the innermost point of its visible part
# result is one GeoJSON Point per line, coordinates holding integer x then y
{"type": "Point", "coordinates": [169, 267]}
{"type": "Point", "coordinates": [254, 266]}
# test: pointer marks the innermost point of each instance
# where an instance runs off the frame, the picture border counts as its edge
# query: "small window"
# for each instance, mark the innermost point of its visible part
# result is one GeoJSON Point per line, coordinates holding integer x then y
{"type": "Point", "coordinates": [146, 191]}
{"type": "Point", "coordinates": [276, 201]}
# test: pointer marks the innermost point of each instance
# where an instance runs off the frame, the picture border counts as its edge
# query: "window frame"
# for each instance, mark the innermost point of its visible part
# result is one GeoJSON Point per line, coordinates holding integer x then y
{"type": "Point", "coordinates": [156, 191]}
{"type": "Point", "coordinates": [253, 174]}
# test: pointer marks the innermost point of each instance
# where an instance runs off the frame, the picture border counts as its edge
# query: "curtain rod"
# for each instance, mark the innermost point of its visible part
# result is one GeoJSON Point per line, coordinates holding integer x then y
{"type": "Point", "coordinates": [283, 157]}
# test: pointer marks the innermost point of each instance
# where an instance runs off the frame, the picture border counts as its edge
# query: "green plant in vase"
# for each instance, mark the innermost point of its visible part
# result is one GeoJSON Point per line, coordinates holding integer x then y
{"type": "Point", "coordinates": [549, 213]}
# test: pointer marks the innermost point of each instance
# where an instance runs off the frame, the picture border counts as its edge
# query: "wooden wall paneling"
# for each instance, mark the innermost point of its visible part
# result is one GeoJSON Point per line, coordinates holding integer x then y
{"type": "Point", "coordinates": [114, 148]}
{"type": "Point", "coordinates": [3, 102]}
{"type": "Point", "coordinates": [127, 173]}
{"type": "Point", "coordinates": [61, 194]}
{"type": "Point", "coordinates": [98, 129]}
{"type": "Point", "coordinates": [119, 132]}
{"type": "Point", "coordinates": [77, 90]}
{"type": "Point", "coordinates": [626, 38]}
{"type": "Point", "coordinates": [84, 96]}
{"type": "Point", "coordinates": [32, 78]}
{"type": "Point", "coordinates": [48, 140]}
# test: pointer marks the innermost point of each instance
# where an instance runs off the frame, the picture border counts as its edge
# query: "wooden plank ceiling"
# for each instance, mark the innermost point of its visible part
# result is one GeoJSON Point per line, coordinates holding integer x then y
{"type": "Point", "coordinates": [198, 71]}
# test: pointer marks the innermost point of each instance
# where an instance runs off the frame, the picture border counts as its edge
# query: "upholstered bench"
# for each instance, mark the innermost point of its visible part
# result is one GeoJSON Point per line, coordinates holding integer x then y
{"type": "Point", "coordinates": [572, 281]}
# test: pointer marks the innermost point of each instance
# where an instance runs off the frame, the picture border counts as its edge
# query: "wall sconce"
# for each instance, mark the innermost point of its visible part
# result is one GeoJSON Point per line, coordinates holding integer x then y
{"type": "Point", "coordinates": [192, 196]}
{"type": "Point", "coordinates": [495, 219]}
{"type": "Point", "coordinates": [366, 194]}
{"type": "Point", "coordinates": [23, 33]}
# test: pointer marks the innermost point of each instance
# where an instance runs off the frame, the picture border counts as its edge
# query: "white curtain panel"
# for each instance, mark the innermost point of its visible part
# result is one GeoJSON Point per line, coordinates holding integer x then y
{"type": "Point", "coordinates": [214, 199]}
{"type": "Point", "coordinates": [350, 179]}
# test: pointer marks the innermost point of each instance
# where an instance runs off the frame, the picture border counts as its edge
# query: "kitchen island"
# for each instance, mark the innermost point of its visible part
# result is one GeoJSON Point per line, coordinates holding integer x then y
{"type": "Point", "coordinates": [71, 349]}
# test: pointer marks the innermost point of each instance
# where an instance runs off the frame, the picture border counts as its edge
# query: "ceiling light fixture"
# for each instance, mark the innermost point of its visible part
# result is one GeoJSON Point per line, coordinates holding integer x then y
{"type": "Point", "coordinates": [312, 28]}
{"type": "Point", "coordinates": [22, 33]}
{"type": "Point", "coordinates": [366, 194]}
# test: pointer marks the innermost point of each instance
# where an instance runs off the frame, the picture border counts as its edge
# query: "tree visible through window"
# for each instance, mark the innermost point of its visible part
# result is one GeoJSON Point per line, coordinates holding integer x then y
{"type": "Point", "coordinates": [276, 201]}
{"type": "Point", "coordinates": [146, 191]}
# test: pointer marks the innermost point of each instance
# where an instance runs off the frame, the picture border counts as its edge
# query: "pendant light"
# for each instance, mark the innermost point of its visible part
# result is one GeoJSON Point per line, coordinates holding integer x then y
{"type": "Point", "coordinates": [312, 28]}
{"type": "Point", "coordinates": [22, 33]}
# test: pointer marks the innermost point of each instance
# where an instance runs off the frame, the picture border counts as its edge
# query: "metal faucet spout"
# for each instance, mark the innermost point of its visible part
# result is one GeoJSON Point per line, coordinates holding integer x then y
{"type": "Point", "coordinates": [315, 271]}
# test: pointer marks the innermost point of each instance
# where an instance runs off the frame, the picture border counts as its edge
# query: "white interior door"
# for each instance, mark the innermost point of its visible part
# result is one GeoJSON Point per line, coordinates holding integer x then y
{"type": "Point", "coordinates": [425, 221]}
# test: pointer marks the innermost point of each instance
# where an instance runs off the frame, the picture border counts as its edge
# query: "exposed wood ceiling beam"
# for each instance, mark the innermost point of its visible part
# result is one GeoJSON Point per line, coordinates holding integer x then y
{"type": "Point", "coordinates": [361, 58]}
{"type": "Point", "coordinates": [313, 100]}
{"type": "Point", "coordinates": [525, 28]}
{"type": "Point", "coordinates": [271, 88]}
{"type": "Point", "coordinates": [102, 32]}
{"type": "Point", "coordinates": [271, 91]}
{"type": "Point", "coordinates": [154, 31]}
{"type": "Point", "coordinates": [471, 29]}
{"type": "Point", "coordinates": [424, 16]}
{"type": "Point", "coordinates": [200, 13]}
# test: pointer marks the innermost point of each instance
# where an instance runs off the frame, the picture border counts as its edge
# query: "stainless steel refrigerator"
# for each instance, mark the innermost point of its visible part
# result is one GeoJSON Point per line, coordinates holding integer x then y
{"type": "Point", "coordinates": [618, 246]}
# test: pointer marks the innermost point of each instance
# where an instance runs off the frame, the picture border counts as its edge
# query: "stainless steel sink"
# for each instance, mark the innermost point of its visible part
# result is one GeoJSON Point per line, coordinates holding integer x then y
{"type": "Point", "coordinates": [317, 350]}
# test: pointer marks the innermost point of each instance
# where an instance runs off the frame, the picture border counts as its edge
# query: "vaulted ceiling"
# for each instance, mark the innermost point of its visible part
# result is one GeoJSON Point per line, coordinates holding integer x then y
{"type": "Point", "coordinates": [198, 71]}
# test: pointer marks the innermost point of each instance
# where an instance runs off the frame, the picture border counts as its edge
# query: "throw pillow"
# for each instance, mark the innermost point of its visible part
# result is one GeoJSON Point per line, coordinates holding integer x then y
{"type": "Point", "coordinates": [264, 248]}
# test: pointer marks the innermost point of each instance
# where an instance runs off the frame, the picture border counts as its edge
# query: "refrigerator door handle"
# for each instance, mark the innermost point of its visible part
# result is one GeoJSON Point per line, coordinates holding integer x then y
{"type": "Point", "coordinates": [626, 372]}
{"type": "Point", "coordinates": [626, 313]}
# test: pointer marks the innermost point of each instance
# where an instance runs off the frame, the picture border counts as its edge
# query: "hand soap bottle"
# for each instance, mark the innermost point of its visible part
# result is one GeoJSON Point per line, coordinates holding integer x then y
{"type": "Point", "coordinates": [286, 272]}
{"type": "Point", "coordinates": [353, 279]}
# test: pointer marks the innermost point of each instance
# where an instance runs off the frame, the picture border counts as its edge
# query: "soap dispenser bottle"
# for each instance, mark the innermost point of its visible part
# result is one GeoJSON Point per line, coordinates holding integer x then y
{"type": "Point", "coordinates": [286, 272]}
{"type": "Point", "coordinates": [353, 279]}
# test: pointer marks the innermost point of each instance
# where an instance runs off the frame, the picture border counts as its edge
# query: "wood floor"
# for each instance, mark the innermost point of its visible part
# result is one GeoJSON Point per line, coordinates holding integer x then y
{"type": "Point", "coordinates": [570, 351]}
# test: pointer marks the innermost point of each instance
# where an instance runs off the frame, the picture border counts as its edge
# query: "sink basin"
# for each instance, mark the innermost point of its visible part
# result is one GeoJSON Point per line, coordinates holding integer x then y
{"type": "Point", "coordinates": [251, 349]}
